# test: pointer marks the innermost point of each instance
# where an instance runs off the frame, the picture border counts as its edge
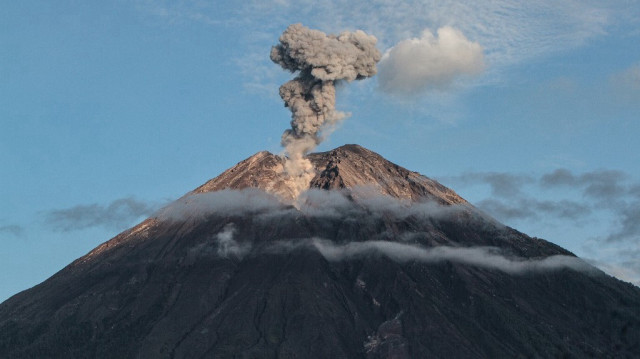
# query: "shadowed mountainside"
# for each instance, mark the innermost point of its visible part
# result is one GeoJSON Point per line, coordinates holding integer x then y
{"type": "Point", "coordinates": [355, 272]}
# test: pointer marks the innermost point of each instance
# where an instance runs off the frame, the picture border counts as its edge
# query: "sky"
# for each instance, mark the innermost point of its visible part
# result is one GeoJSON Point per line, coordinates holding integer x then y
{"type": "Point", "coordinates": [111, 109]}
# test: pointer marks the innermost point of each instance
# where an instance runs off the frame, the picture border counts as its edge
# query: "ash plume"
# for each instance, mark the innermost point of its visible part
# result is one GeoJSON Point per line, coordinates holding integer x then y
{"type": "Point", "coordinates": [321, 61]}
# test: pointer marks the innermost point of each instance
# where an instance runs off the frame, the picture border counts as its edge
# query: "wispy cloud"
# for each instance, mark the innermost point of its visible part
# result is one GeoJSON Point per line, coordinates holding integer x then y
{"type": "Point", "coordinates": [12, 230]}
{"type": "Point", "coordinates": [228, 246]}
{"type": "Point", "coordinates": [359, 202]}
{"type": "Point", "coordinates": [600, 190]}
{"type": "Point", "coordinates": [186, 11]}
{"type": "Point", "coordinates": [501, 184]}
{"type": "Point", "coordinates": [628, 269]}
{"type": "Point", "coordinates": [531, 208]}
{"type": "Point", "coordinates": [116, 215]}
{"type": "Point", "coordinates": [312, 203]}
{"type": "Point", "coordinates": [628, 218]}
{"type": "Point", "coordinates": [228, 202]}
{"type": "Point", "coordinates": [575, 199]}
{"type": "Point", "coordinates": [603, 184]}
{"type": "Point", "coordinates": [485, 257]}
{"type": "Point", "coordinates": [511, 32]}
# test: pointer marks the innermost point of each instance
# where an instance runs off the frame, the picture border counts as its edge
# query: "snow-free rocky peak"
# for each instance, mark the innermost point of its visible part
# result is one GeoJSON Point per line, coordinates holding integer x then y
{"type": "Point", "coordinates": [349, 167]}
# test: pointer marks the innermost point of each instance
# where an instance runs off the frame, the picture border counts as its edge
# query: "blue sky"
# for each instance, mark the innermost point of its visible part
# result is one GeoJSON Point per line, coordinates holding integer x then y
{"type": "Point", "coordinates": [110, 109]}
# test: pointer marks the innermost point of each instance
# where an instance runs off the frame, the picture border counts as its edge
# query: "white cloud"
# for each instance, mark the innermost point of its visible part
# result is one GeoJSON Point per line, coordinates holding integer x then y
{"type": "Point", "coordinates": [228, 246]}
{"type": "Point", "coordinates": [228, 202]}
{"type": "Point", "coordinates": [336, 204]}
{"type": "Point", "coordinates": [311, 203]}
{"type": "Point", "coordinates": [484, 257]}
{"type": "Point", "coordinates": [418, 64]}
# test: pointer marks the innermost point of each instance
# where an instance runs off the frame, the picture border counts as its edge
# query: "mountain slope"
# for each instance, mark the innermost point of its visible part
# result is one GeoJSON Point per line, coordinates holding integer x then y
{"type": "Point", "coordinates": [388, 264]}
{"type": "Point", "coordinates": [349, 166]}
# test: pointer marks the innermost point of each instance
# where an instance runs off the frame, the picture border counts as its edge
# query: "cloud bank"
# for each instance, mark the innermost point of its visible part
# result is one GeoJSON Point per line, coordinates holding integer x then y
{"type": "Point", "coordinates": [336, 204]}
{"type": "Point", "coordinates": [599, 190]}
{"type": "Point", "coordinates": [429, 62]}
{"type": "Point", "coordinates": [227, 202]}
{"type": "Point", "coordinates": [312, 203]}
{"type": "Point", "coordinates": [352, 204]}
{"type": "Point", "coordinates": [609, 197]}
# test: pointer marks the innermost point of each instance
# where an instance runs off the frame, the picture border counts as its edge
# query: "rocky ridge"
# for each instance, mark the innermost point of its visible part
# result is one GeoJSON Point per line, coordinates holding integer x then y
{"type": "Point", "coordinates": [346, 167]}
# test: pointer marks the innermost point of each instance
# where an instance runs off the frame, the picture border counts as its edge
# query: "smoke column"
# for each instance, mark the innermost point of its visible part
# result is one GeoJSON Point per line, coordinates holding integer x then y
{"type": "Point", "coordinates": [322, 60]}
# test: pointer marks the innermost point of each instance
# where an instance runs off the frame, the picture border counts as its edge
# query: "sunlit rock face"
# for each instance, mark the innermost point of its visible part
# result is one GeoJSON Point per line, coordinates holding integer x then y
{"type": "Point", "coordinates": [347, 167]}
{"type": "Point", "coordinates": [372, 261]}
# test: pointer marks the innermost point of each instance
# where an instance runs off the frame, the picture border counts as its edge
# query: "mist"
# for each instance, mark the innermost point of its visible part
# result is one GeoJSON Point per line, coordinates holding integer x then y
{"type": "Point", "coordinates": [483, 257]}
{"type": "Point", "coordinates": [310, 203]}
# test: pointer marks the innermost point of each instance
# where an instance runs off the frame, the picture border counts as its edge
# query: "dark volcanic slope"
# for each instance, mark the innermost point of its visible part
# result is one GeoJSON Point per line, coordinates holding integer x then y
{"type": "Point", "coordinates": [229, 284]}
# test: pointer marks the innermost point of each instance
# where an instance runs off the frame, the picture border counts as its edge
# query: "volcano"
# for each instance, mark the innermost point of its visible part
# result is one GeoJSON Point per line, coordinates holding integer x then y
{"type": "Point", "coordinates": [373, 261]}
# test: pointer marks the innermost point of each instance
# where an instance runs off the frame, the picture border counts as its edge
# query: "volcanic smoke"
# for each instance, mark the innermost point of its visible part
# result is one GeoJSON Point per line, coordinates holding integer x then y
{"type": "Point", "coordinates": [322, 61]}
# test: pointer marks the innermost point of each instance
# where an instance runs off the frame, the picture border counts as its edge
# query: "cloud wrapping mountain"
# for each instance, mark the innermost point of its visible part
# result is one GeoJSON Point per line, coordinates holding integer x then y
{"type": "Point", "coordinates": [609, 196]}
{"type": "Point", "coordinates": [311, 203]}
{"type": "Point", "coordinates": [485, 257]}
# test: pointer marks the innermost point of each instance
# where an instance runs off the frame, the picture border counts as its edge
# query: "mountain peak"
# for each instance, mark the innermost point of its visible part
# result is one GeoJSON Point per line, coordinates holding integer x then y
{"type": "Point", "coordinates": [349, 167]}
{"type": "Point", "coordinates": [225, 276]}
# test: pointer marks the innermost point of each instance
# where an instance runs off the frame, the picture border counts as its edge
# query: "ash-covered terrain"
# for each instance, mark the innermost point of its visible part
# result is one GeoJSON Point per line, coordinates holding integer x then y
{"type": "Point", "coordinates": [371, 261]}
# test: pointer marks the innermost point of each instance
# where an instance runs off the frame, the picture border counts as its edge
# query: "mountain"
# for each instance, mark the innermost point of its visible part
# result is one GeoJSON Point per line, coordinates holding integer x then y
{"type": "Point", "coordinates": [374, 261]}
{"type": "Point", "coordinates": [345, 167]}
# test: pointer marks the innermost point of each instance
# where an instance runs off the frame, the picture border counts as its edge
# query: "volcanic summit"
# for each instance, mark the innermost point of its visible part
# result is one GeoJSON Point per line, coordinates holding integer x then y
{"type": "Point", "coordinates": [372, 261]}
{"type": "Point", "coordinates": [346, 167]}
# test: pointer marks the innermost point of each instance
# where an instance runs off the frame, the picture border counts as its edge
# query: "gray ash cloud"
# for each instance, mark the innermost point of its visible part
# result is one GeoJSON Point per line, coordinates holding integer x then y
{"type": "Point", "coordinates": [321, 61]}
